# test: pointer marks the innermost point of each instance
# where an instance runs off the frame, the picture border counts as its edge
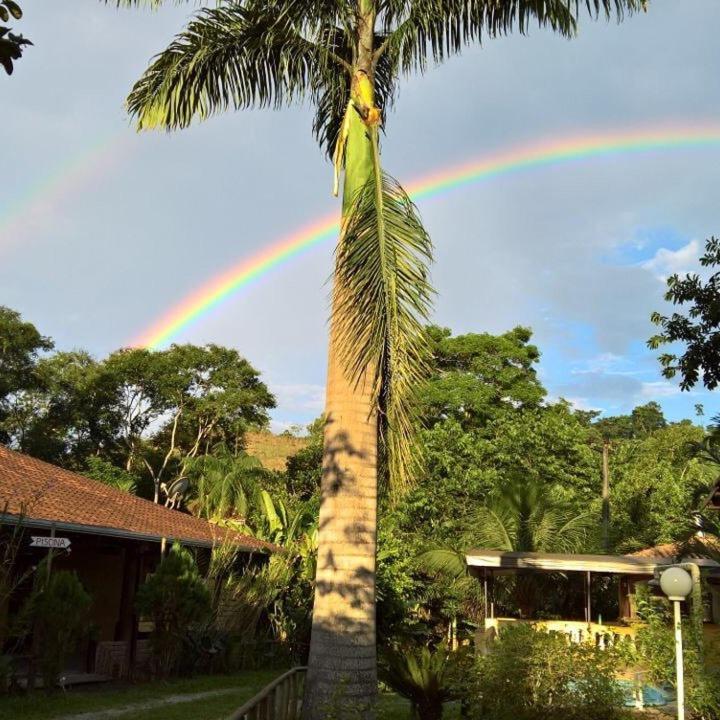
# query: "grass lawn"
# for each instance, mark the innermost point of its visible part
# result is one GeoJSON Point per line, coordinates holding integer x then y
{"type": "Point", "coordinates": [393, 707]}
{"type": "Point", "coordinates": [95, 699]}
{"type": "Point", "coordinates": [233, 691]}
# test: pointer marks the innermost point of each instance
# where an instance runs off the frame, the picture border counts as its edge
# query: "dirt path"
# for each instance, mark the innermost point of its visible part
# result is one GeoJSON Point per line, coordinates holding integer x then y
{"type": "Point", "coordinates": [114, 712]}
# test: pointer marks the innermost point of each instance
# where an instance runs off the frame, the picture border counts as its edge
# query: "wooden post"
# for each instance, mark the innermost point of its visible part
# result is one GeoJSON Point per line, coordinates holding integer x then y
{"type": "Point", "coordinates": [127, 622]}
{"type": "Point", "coordinates": [50, 555]}
{"type": "Point", "coordinates": [485, 593]}
{"type": "Point", "coordinates": [606, 495]}
{"type": "Point", "coordinates": [293, 697]}
{"type": "Point", "coordinates": [588, 588]}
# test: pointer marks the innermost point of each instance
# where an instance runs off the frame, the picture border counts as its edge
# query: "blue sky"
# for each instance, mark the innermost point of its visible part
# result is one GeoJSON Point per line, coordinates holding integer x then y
{"type": "Point", "coordinates": [578, 252]}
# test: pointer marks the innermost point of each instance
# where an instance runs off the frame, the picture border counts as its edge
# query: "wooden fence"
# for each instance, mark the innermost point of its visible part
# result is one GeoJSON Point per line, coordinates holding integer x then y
{"type": "Point", "coordinates": [280, 700]}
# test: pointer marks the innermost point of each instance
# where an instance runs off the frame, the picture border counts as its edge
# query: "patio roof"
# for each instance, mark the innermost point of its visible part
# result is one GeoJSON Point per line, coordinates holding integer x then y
{"type": "Point", "coordinates": [499, 561]}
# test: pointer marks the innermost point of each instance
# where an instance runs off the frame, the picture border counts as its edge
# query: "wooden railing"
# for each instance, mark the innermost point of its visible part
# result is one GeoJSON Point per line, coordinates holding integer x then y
{"type": "Point", "coordinates": [280, 700]}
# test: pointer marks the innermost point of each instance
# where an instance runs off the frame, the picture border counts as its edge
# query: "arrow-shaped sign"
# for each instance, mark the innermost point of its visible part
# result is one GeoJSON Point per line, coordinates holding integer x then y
{"type": "Point", "coordinates": [45, 541]}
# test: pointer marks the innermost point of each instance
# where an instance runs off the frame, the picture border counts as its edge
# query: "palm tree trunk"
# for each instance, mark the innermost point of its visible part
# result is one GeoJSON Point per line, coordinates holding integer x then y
{"type": "Point", "coordinates": [342, 675]}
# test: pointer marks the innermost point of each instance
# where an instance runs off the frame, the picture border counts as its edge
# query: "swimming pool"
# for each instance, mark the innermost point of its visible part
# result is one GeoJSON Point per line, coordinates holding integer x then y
{"type": "Point", "coordinates": [652, 696]}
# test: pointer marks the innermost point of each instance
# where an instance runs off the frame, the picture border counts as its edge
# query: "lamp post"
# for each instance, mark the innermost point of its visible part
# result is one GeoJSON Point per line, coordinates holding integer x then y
{"type": "Point", "coordinates": [677, 584]}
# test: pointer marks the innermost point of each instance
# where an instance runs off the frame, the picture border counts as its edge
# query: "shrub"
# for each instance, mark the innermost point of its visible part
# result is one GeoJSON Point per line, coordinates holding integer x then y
{"type": "Point", "coordinates": [427, 677]}
{"type": "Point", "coordinates": [655, 645]}
{"type": "Point", "coordinates": [175, 598]}
{"type": "Point", "coordinates": [534, 675]}
{"type": "Point", "coordinates": [58, 609]}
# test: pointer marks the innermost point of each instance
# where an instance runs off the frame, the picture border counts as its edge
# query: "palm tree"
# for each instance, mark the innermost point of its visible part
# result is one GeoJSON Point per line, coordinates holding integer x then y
{"type": "Point", "coordinates": [223, 484]}
{"type": "Point", "coordinates": [528, 516]}
{"type": "Point", "coordinates": [347, 57]}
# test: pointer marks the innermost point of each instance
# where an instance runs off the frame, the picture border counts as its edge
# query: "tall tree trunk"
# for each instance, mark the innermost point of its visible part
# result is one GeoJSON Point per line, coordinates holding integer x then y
{"type": "Point", "coordinates": [342, 675]}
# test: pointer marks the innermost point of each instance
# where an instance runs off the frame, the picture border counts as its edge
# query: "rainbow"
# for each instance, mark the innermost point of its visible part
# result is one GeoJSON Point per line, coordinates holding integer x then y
{"type": "Point", "coordinates": [30, 210]}
{"type": "Point", "coordinates": [525, 157]}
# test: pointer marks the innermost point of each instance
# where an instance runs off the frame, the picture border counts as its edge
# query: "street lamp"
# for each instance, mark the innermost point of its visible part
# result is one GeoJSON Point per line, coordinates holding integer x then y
{"type": "Point", "coordinates": [677, 584]}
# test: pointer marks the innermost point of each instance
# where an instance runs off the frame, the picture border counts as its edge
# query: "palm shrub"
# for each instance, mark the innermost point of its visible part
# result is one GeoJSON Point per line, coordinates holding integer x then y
{"type": "Point", "coordinates": [175, 598]}
{"type": "Point", "coordinates": [535, 675]}
{"type": "Point", "coordinates": [58, 613]}
{"type": "Point", "coordinates": [425, 676]}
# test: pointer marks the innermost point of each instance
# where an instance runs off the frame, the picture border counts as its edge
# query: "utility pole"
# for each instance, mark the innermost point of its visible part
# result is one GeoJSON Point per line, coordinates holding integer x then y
{"type": "Point", "coordinates": [606, 495]}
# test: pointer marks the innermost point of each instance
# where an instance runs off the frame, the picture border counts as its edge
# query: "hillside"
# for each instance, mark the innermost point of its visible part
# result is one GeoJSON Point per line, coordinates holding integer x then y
{"type": "Point", "coordinates": [273, 450]}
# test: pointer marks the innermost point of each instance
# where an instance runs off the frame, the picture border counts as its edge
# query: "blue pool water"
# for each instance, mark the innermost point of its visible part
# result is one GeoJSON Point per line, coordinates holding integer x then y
{"type": "Point", "coordinates": [652, 695]}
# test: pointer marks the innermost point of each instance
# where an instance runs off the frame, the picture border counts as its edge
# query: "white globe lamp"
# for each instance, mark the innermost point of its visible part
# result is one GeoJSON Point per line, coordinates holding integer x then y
{"type": "Point", "coordinates": [677, 584]}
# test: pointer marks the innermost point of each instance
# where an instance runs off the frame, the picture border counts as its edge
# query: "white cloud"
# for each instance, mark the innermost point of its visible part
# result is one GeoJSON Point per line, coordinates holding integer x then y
{"type": "Point", "coordinates": [668, 262]}
{"type": "Point", "coordinates": [607, 363]}
{"type": "Point", "coordinates": [581, 403]}
{"type": "Point", "coordinates": [299, 397]}
{"type": "Point", "coordinates": [659, 389]}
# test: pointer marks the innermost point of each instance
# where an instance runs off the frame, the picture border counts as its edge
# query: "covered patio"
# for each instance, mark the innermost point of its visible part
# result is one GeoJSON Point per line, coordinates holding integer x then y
{"type": "Point", "coordinates": [629, 571]}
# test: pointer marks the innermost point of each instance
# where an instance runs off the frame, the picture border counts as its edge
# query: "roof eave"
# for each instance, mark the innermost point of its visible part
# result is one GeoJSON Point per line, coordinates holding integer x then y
{"type": "Point", "coordinates": [12, 519]}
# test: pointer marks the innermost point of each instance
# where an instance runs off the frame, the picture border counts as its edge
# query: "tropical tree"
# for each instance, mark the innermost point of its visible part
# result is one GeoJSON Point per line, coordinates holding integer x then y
{"type": "Point", "coordinates": [527, 516]}
{"type": "Point", "coordinates": [223, 484]}
{"type": "Point", "coordinates": [21, 344]}
{"type": "Point", "coordinates": [347, 57]}
{"type": "Point", "coordinates": [698, 329]}
{"type": "Point", "coordinates": [11, 45]}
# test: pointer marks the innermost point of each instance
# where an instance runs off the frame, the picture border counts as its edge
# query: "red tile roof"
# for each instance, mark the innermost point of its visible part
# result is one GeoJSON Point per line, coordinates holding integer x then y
{"type": "Point", "coordinates": [697, 548]}
{"type": "Point", "coordinates": [48, 494]}
{"type": "Point", "coordinates": [666, 550]}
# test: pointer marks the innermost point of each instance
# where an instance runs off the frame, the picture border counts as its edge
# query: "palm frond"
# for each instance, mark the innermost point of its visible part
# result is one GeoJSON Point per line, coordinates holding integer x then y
{"type": "Point", "coordinates": [444, 561]}
{"type": "Point", "coordinates": [230, 56]}
{"type": "Point", "coordinates": [525, 515]}
{"type": "Point", "coordinates": [563, 530]}
{"type": "Point", "coordinates": [420, 30]}
{"type": "Point", "coordinates": [496, 528]}
{"type": "Point", "coordinates": [381, 302]}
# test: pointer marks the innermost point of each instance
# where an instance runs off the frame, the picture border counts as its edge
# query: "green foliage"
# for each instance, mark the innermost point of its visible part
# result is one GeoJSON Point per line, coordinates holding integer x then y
{"type": "Point", "coordinates": [223, 484]}
{"type": "Point", "coordinates": [656, 483]}
{"type": "Point", "coordinates": [655, 645]}
{"type": "Point", "coordinates": [643, 421]}
{"type": "Point", "coordinates": [259, 54]}
{"type": "Point", "coordinates": [303, 470]}
{"type": "Point", "coordinates": [530, 517]}
{"type": "Point", "coordinates": [109, 474]}
{"type": "Point", "coordinates": [236, 56]}
{"type": "Point", "coordinates": [425, 676]}
{"type": "Point", "coordinates": [58, 614]}
{"type": "Point", "coordinates": [535, 675]}
{"type": "Point", "coordinates": [697, 330]}
{"type": "Point", "coordinates": [20, 345]}
{"type": "Point", "coordinates": [147, 413]}
{"type": "Point", "coordinates": [547, 445]}
{"type": "Point", "coordinates": [174, 598]}
{"type": "Point", "coordinates": [478, 376]}
{"type": "Point", "coordinates": [11, 45]}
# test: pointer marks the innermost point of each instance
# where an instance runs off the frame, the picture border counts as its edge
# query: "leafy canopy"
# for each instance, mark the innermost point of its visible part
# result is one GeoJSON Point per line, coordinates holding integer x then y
{"type": "Point", "coordinates": [698, 330]}
{"type": "Point", "coordinates": [478, 376]}
{"type": "Point", "coordinates": [11, 45]}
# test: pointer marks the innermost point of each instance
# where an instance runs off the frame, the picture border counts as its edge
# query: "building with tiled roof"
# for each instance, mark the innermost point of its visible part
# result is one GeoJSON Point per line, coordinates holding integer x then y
{"type": "Point", "coordinates": [46, 495]}
{"type": "Point", "coordinates": [111, 539]}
